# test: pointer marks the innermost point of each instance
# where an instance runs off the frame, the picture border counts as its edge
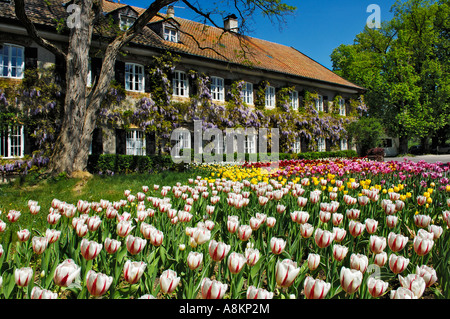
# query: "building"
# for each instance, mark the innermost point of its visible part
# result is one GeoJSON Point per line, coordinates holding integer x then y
{"type": "Point", "coordinates": [262, 69]}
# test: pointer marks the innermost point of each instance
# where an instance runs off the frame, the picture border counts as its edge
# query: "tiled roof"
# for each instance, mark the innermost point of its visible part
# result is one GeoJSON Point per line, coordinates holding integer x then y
{"type": "Point", "coordinates": [260, 54]}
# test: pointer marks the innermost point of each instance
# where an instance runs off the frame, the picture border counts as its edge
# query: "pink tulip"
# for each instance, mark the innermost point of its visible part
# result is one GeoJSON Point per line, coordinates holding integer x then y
{"type": "Point", "coordinates": [380, 259]}
{"type": "Point", "coordinates": [315, 288]}
{"type": "Point", "coordinates": [299, 217]}
{"type": "Point", "coordinates": [270, 222]}
{"type": "Point", "coordinates": [391, 221]}
{"type": "Point", "coordinates": [339, 252]}
{"type": "Point", "coordinates": [423, 245]}
{"type": "Point", "coordinates": [353, 213]}
{"type": "Point", "coordinates": [402, 293]}
{"type": "Point", "coordinates": [280, 208]}
{"type": "Point", "coordinates": [23, 276]}
{"type": "Point", "coordinates": [23, 235]}
{"type": "Point", "coordinates": [397, 242]}
{"type": "Point", "coordinates": [286, 272]}
{"type": "Point", "coordinates": [376, 287]}
{"type": "Point", "coordinates": [93, 223]}
{"type": "Point", "coordinates": [169, 281]}
{"type": "Point", "coordinates": [112, 245]}
{"type": "Point", "coordinates": [218, 250]}
{"type": "Point", "coordinates": [38, 293]}
{"type": "Point", "coordinates": [252, 256]}
{"type": "Point", "coordinates": [13, 216]}
{"type": "Point", "coordinates": [133, 271]}
{"type": "Point", "coordinates": [156, 237]}
{"type": "Point", "coordinates": [39, 244]}
{"type": "Point", "coordinates": [81, 229]}
{"type": "Point", "coordinates": [323, 238]}
{"type": "Point", "coordinates": [66, 272]}
{"type": "Point", "coordinates": [135, 244]}
{"type": "Point", "coordinates": [436, 230]}
{"type": "Point", "coordinates": [2, 226]}
{"type": "Point", "coordinates": [194, 260]}
{"type": "Point", "coordinates": [236, 262]}
{"type": "Point", "coordinates": [413, 282]}
{"type": "Point", "coordinates": [427, 273]}
{"type": "Point", "coordinates": [371, 225]}
{"type": "Point", "coordinates": [398, 264]}
{"type": "Point", "coordinates": [422, 221]}
{"type": "Point", "coordinates": [359, 262]}
{"type": "Point", "coordinates": [339, 234]}
{"type": "Point", "coordinates": [244, 232]}
{"type": "Point", "coordinates": [124, 228]}
{"type": "Point", "coordinates": [306, 230]}
{"type": "Point", "coordinates": [34, 209]}
{"type": "Point", "coordinates": [355, 228]}
{"type": "Point", "coordinates": [301, 201]}
{"type": "Point", "coordinates": [97, 283]}
{"type": "Point", "coordinates": [324, 216]}
{"type": "Point", "coordinates": [337, 219]}
{"type": "Point", "coordinates": [53, 218]}
{"type": "Point", "coordinates": [213, 289]}
{"type": "Point", "coordinates": [350, 280]}
{"type": "Point", "coordinates": [277, 245]}
{"type": "Point", "coordinates": [258, 293]}
{"type": "Point", "coordinates": [90, 249]}
{"type": "Point", "coordinates": [313, 261]}
{"type": "Point", "coordinates": [377, 244]}
{"type": "Point", "coordinates": [255, 223]}
{"type": "Point", "coordinates": [232, 224]}
{"type": "Point", "coordinates": [52, 235]}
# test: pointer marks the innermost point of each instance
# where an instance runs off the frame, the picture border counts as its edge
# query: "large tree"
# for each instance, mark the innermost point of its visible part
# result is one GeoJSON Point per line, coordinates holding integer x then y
{"type": "Point", "coordinates": [405, 67]}
{"type": "Point", "coordinates": [81, 106]}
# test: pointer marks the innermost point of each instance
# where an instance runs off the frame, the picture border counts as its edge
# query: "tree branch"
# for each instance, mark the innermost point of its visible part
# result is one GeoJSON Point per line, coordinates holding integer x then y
{"type": "Point", "coordinates": [19, 7]}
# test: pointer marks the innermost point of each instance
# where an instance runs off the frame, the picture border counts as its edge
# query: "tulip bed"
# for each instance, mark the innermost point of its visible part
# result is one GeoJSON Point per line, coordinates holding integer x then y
{"type": "Point", "coordinates": [306, 229]}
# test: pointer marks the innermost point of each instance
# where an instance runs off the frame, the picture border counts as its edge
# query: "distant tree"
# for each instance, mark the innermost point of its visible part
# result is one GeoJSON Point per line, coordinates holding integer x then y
{"type": "Point", "coordinates": [406, 69]}
{"type": "Point", "coordinates": [366, 133]}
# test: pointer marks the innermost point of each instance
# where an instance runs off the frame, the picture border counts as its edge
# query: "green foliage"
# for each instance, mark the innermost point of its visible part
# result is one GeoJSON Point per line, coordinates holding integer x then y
{"type": "Point", "coordinates": [366, 132]}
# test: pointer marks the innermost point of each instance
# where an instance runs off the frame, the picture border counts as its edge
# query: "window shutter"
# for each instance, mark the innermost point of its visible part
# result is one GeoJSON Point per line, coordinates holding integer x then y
{"type": "Point", "coordinates": [121, 141]}
{"type": "Point", "coordinates": [150, 143]}
{"type": "Point", "coordinates": [119, 70]}
{"type": "Point", "coordinates": [31, 58]}
{"type": "Point", "coordinates": [192, 87]}
{"type": "Point", "coordinates": [147, 78]}
{"type": "Point", "coordinates": [325, 104]}
{"type": "Point", "coordinates": [97, 141]}
{"type": "Point", "coordinates": [96, 68]}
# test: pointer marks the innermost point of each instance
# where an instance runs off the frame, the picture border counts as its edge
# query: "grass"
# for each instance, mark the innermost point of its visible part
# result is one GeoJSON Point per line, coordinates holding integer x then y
{"type": "Point", "coordinates": [15, 195]}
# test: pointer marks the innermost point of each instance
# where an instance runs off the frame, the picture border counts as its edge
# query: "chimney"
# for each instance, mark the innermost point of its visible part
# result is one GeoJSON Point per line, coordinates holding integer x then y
{"type": "Point", "coordinates": [231, 23]}
{"type": "Point", "coordinates": [170, 12]}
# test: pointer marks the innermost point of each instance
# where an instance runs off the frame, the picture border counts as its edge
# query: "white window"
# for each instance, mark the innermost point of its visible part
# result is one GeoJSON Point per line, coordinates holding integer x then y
{"type": "Point", "coordinates": [293, 100]}
{"type": "Point", "coordinates": [183, 142]}
{"type": "Point", "coordinates": [321, 146]}
{"type": "Point", "coordinates": [217, 89]}
{"type": "Point", "coordinates": [11, 61]}
{"type": "Point", "coordinates": [344, 145]}
{"type": "Point", "coordinates": [12, 141]}
{"type": "Point", "coordinates": [135, 142]}
{"type": "Point", "coordinates": [342, 107]}
{"type": "Point", "coordinates": [180, 84]}
{"type": "Point", "coordinates": [297, 146]}
{"type": "Point", "coordinates": [270, 97]}
{"type": "Point", "coordinates": [319, 103]}
{"type": "Point", "coordinates": [134, 77]}
{"type": "Point", "coordinates": [170, 34]}
{"type": "Point", "coordinates": [250, 144]}
{"type": "Point", "coordinates": [126, 22]}
{"type": "Point", "coordinates": [247, 90]}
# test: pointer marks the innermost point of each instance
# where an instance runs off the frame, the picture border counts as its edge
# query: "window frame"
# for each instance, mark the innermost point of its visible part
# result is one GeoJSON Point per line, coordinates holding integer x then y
{"type": "Point", "coordinates": [343, 141]}
{"type": "Point", "coordinates": [7, 141]}
{"type": "Point", "coordinates": [168, 36]}
{"type": "Point", "coordinates": [185, 136]}
{"type": "Point", "coordinates": [293, 100]}
{"type": "Point", "coordinates": [123, 18]}
{"type": "Point", "coordinates": [180, 83]}
{"type": "Point", "coordinates": [319, 103]}
{"type": "Point", "coordinates": [141, 79]}
{"type": "Point", "coordinates": [9, 60]}
{"type": "Point", "coordinates": [132, 142]}
{"type": "Point", "coordinates": [217, 90]}
{"type": "Point", "coordinates": [270, 99]}
{"type": "Point", "coordinates": [247, 91]}
{"type": "Point", "coordinates": [296, 148]}
{"type": "Point", "coordinates": [253, 140]}
{"type": "Point", "coordinates": [321, 144]}
{"type": "Point", "coordinates": [342, 110]}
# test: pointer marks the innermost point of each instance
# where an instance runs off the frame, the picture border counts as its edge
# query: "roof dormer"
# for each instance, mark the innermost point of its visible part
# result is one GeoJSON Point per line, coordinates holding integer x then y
{"type": "Point", "coordinates": [124, 16]}
{"type": "Point", "coordinates": [167, 28]}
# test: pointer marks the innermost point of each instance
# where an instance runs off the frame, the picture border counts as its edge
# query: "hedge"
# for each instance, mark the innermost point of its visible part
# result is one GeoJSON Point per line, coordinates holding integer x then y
{"type": "Point", "coordinates": [123, 164]}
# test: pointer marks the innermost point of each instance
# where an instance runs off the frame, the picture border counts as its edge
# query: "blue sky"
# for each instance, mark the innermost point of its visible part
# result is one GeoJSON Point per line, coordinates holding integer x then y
{"type": "Point", "coordinates": [316, 28]}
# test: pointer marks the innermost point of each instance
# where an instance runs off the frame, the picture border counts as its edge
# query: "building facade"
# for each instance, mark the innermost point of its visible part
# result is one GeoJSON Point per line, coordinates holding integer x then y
{"type": "Point", "coordinates": [241, 81]}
